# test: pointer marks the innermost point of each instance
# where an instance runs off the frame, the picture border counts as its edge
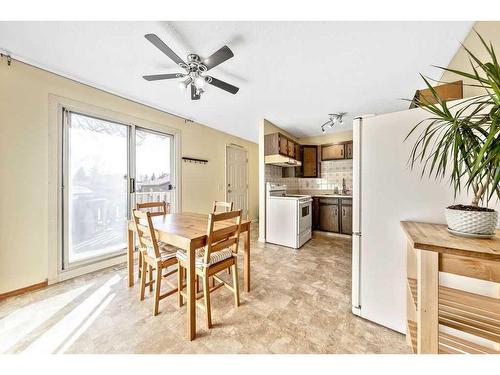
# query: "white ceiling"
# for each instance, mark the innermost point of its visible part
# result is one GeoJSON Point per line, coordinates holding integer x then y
{"type": "Point", "coordinates": [291, 73]}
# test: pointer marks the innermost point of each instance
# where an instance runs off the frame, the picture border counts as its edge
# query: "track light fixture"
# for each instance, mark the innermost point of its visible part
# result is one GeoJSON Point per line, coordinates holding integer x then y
{"type": "Point", "coordinates": [333, 118]}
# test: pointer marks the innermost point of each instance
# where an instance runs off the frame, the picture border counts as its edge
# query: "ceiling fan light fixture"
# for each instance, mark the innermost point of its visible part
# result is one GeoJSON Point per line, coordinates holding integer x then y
{"type": "Point", "coordinates": [195, 69]}
{"type": "Point", "coordinates": [184, 84]}
{"type": "Point", "coordinates": [199, 82]}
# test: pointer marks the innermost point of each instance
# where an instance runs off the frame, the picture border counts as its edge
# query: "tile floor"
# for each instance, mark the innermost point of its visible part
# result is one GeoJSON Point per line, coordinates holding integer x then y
{"type": "Point", "coordinates": [299, 303]}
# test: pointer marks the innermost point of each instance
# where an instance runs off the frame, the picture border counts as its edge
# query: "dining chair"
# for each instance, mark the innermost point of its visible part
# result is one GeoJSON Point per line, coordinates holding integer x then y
{"type": "Point", "coordinates": [156, 256]}
{"type": "Point", "coordinates": [225, 206]}
{"type": "Point", "coordinates": [218, 254]}
{"type": "Point", "coordinates": [158, 208]}
{"type": "Point", "coordinates": [155, 208]}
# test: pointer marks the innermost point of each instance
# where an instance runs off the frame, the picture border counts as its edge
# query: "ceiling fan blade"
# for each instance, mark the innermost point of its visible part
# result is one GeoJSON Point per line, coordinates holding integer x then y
{"type": "Point", "coordinates": [223, 85]}
{"type": "Point", "coordinates": [218, 57]}
{"type": "Point", "coordinates": [157, 77]}
{"type": "Point", "coordinates": [194, 94]}
{"type": "Point", "coordinates": [158, 43]}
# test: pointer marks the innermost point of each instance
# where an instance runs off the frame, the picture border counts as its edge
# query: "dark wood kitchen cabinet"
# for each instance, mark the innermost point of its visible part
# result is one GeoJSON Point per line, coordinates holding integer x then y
{"type": "Point", "coordinates": [310, 167]}
{"type": "Point", "coordinates": [348, 150]}
{"type": "Point", "coordinates": [336, 151]}
{"type": "Point", "coordinates": [346, 217]}
{"type": "Point", "coordinates": [283, 145]}
{"type": "Point", "coordinates": [329, 215]}
{"type": "Point", "coordinates": [315, 213]}
{"type": "Point", "coordinates": [332, 151]}
{"type": "Point", "coordinates": [291, 148]}
{"type": "Point", "coordinates": [332, 214]}
{"type": "Point", "coordinates": [277, 143]}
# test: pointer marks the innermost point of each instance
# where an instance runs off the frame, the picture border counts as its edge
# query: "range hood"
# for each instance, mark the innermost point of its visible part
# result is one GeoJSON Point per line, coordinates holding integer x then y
{"type": "Point", "coordinates": [281, 161]}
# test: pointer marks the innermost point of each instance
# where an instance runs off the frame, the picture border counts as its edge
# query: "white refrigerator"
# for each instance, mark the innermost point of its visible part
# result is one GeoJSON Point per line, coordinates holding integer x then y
{"type": "Point", "coordinates": [386, 192]}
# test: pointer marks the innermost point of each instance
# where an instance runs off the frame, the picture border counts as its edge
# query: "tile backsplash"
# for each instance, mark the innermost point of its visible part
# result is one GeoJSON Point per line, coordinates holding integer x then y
{"type": "Point", "coordinates": [332, 173]}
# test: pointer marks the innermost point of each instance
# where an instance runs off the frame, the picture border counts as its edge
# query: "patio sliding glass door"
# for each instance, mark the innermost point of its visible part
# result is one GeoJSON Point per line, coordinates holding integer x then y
{"type": "Point", "coordinates": [107, 167]}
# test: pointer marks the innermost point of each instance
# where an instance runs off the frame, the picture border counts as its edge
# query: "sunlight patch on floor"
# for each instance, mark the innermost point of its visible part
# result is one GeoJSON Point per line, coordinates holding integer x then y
{"type": "Point", "coordinates": [17, 325]}
{"type": "Point", "coordinates": [65, 332]}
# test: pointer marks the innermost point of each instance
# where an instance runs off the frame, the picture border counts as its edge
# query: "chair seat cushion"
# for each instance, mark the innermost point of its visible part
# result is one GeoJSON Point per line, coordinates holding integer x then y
{"type": "Point", "coordinates": [166, 251]}
{"type": "Point", "coordinates": [216, 257]}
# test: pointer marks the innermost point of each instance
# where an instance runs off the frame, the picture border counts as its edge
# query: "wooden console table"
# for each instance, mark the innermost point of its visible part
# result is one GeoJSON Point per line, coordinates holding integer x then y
{"type": "Point", "coordinates": [470, 323]}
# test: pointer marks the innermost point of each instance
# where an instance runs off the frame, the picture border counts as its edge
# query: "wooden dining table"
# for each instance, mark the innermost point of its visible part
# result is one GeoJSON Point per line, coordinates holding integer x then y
{"type": "Point", "coordinates": [188, 231]}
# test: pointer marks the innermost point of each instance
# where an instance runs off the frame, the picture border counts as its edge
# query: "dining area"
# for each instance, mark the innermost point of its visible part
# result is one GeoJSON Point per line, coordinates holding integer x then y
{"type": "Point", "coordinates": [188, 252]}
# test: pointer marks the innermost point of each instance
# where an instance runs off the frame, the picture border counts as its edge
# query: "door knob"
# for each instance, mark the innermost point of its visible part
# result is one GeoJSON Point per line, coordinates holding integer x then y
{"type": "Point", "coordinates": [229, 191]}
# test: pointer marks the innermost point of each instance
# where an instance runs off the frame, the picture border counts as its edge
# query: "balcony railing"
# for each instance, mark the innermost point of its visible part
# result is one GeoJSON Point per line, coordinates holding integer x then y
{"type": "Point", "coordinates": [153, 196]}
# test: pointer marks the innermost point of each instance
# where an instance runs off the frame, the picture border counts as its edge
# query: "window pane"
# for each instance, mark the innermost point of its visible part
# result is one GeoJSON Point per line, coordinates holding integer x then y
{"type": "Point", "coordinates": [97, 196]}
{"type": "Point", "coordinates": [153, 177]}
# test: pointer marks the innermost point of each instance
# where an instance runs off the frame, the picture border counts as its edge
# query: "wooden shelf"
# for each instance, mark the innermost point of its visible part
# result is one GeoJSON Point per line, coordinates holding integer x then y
{"type": "Point", "coordinates": [449, 344]}
{"type": "Point", "coordinates": [471, 313]}
{"type": "Point", "coordinates": [435, 237]}
{"type": "Point", "coordinates": [412, 331]}
{"type": "Point", "coordinates": [447, 320]}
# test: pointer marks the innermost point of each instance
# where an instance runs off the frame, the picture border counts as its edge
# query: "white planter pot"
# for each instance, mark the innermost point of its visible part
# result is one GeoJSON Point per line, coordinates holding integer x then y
{"type": "Point", "coordinates": [472, 222]}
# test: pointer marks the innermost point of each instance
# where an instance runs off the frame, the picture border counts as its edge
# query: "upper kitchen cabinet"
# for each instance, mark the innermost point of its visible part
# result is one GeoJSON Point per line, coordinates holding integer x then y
{"type": "Point", "coordinates": [348, 150]}
{"type": "Point", "coordinates": [277, 143]}
{"type": "Point", "coordinates": [291, 149]}
{"type": "Point", "coordinates": [310, 167]}
{"type": "Point", "coordinates": [281, 151]}
{"type": "Point", "coordinates": [336, 151]}
{"type": "Point", "coordinates": [298, 152]}
{"type": "Point", "coordinates": [332, 152]}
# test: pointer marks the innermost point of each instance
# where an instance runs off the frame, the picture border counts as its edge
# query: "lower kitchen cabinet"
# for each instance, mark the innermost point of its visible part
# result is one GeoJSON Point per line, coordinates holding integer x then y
{"type": "Point", "coordinates": [332, 215]}
{"type": "Point", "coordinates": [315, 213]}
{"type": "Point", "coordinates": [329, 215]}
{"type": "Point", "coordinates": [346, 218]}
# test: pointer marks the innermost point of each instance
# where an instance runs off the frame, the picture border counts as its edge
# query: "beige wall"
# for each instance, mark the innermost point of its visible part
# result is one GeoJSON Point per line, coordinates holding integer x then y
{"type": "Point", "coordinates": [490, 31]}
{"type": "Point", "coordinates": [327, 138]}
{"type": "Point", "coordinates": [270, 128]}
{"type": "Point", "coordinates": [24, 164]}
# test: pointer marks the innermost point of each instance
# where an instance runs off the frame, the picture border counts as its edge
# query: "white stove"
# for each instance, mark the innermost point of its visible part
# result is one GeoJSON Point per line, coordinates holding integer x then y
{"type": "Point", "coordinates": [288, 216]}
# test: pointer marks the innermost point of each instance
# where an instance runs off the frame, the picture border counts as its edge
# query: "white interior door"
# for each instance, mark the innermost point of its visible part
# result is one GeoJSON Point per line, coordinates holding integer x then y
{"type": "Point", "coordinates": [237, 178]}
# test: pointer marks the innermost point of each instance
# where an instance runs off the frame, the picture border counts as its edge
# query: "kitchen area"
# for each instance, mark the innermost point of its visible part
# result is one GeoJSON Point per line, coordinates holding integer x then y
{"type": "Point", "coordinates": [308, 186]}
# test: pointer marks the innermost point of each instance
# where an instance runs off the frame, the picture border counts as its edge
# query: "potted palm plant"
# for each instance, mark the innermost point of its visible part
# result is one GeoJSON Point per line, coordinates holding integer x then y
{"type": "Point", "coordinates": [460, 141]}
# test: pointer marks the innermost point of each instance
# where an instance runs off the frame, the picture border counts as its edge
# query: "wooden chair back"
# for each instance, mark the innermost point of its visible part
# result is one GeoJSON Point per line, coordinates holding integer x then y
{"type": "Point", "coordinates": [226, 206]}
{"type": "Point", "coordinates": [145, 231]}
{"type": "Point", "coordinates": [220, 239]}
{"type": "Point", "coordinates": [155, 208]}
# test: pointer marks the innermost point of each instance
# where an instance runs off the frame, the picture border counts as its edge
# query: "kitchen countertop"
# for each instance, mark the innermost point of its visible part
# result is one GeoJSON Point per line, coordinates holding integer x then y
{"type": "Point", "coordinates": [332, 196]}
{"type": "Point", "coordinates": [320, 194]}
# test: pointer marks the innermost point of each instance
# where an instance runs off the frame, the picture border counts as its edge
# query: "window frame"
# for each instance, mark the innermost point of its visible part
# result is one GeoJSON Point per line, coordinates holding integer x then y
{"type": "Point", "coordinates": [57, 104]}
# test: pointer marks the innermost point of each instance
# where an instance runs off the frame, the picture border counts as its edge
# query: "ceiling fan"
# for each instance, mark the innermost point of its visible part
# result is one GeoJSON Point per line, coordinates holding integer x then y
{"type": "Point", "coordinates": [195, 69]}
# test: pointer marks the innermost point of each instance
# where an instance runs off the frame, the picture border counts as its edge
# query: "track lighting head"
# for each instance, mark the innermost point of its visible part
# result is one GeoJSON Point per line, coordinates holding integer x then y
{"type": "Point", "coordinates": [333, 119]}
